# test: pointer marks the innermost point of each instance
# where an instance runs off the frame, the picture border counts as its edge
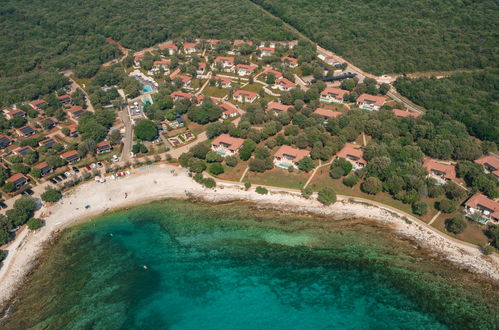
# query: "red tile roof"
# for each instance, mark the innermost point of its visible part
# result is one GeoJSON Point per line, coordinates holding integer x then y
{"type": "Point", "coordinates": [242, 42]}
{"type": "Point", "coordinates": [41, 165]}
{"type": "Point", "coordinates": [103, 144]}
{"type": "Point", "coordinates": [434, 165]}
{"type": "Point", "coordinates": [337, 92]}
{"type": "Point", "coordinates": [327, 113]}
{"type": "Point", "coordinates": [285, 83]}
{"type": "Point", "coordinates": [16, 177]}
{"type": "Point", "coordinates": [405, 113]}
{"type": "Point", "coordinates": [352, 151]}
{"type": "Point", "coordinates": [224, 59]}
{"type": "Point", "coordinates": [138, 57]}
{"type": "Point", "coordinates": [168, 46]}
{"type": "Point", "coordinates": [232, 142]}
{"type": "Point", "coordinates": [276, 74]}
{"type": "Point", "coordinates": [246, 93]}
{"type": "Point", "coordinates": [228, 108]}
{"type": "Point", "coordinates": [181, 77]}
{"type": "Point", "coordinates": [224, 80]}
{"type": "Point", "coordinates": [188, 45]}
{"type": "Point", "coordinates": [297, 154]}
{"type": "Point", "coordinates": [69, 153]}
{"type": "Point", "coordinates": [272, 50]}
{"type": "Point", "coordinates": [490, 160]}
{"type": "Point", "coordinates": [161, 62]}
{"type": "Point", "coordinates": [290, 60]}
{"type": "Point", "coordinates": [278, 106]}
{"type": "Point", "coordinates": [246, 67]}
{"type": "Point", "coordinates": [377, 100]}
{"type": "Point", "coordinates": [38, 103]}
{"type": "Point", "coordinates": [485, 202]}
{"type": "Point", "coordinates": [181, 95]}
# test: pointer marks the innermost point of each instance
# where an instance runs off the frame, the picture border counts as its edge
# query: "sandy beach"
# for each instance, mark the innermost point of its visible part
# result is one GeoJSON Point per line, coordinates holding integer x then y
{"type": "Point", "coordinates": [164, 181]}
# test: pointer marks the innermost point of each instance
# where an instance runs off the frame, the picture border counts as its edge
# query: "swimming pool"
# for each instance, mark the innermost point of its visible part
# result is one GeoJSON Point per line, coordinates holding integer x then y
{"type": "Point", "coordinates": [147, 89]}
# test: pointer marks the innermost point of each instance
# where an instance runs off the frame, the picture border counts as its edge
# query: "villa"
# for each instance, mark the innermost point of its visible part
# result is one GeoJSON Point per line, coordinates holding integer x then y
{"type": "Point", "coordinates": [224, 81]}
{"type": "Point", "coordinates": [284, 84]}
{"type": "Point", "coordinates": [490, 163]}
{"type": "Point", "coordinates": [229, 110]}
{"type": "Point", "coordinates": [276, 73]}
{"type": "Point", "coordinates": [245, 70]}
{"type": "Point", "coordinates": [287, 156]}
{"type": "Point", "coordinates": [25, 131]}
{"type": "Point", "coordinates": [213, 43]}
{"type": "Point", "coordinates": [243, 96]}
{"type": "Point", "coordinates": [161, 64]}
{"type": "Point", "coordinates": [278, 108]}
{"type": "Point", "coordinates": [326, 114]}
{"type": "Point", "coordinates": [405, 113]}
{"type": "Point", "coordinates": [5, 141]}
{"type": "Point", "coordinates": [370, 102]}
{"type": "Point", "coordinates": [138, 58]}
{"type": "Point", "coordinates": [38, 104]}
{"type": "Point", "coordinates": [186, 81]}
{"type": "Point", "coordinates": [64, 99]}
{"type": "Point", "coordinates": [73, 129]}
{"type": "Point", "coordinates": [354, 155]}
{"type": "Point", "coordinates": [71, 156]}
{"type": "Point", "coordinates": [226, 145]}
{"type": "Point", "coordinates": [13, 113]}
{"type": "Point", "coordinates": [227, 63]}
{"type": "Point", "coordinates": [103, 147]}
{"type": "Point", "coordinates": [440, 171]}
{"type": "Point", "coordinates": [481, 208]}
{"type": "Point", "coordinates": [170, 48]}
{"type": "Point", "coordinates": [178, 95]}
{"type": "Point", "coordinates": [44, 168]}
{"type": "Point", "coordinates": [242, 42]}
{"type": "Point", "coordinates": [331, 94]}
{"type": "Point", "coordinates": [190, 47]}
{"type": "Point", "coordinates": [201, 68]}
{"type": "Point", "coordinates": [19, 180]}
{"type": "Point", "coordinates": [48, 143]}
{"type": "Point", "coordinates": [289, 61]}
{"type": "Point", "coordinates": [266, 51]}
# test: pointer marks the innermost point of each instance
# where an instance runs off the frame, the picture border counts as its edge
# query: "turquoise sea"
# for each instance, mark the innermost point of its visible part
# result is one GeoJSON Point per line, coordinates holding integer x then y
{"type": "Point", "coordinates": [235, 267]}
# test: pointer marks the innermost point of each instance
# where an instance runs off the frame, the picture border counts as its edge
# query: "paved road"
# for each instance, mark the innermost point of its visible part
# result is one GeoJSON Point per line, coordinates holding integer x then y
{"type": "Point", "coordinates": [127, 139]}
{"type": "Point", "coordinates": [408, 104]}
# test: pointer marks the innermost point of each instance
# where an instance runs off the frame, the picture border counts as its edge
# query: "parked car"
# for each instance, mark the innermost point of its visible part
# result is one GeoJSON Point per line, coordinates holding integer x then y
{"type": "Point", "coordinates": [62, 176]}
{"type": "Point", "coordinates": [75, 169]}
{"type": "Point", "coordinates": [3, 205]}
{"type": "Point", "coordinates": [68, 174]}
{"type": "Point", "coordinates": [100, 164]}
{"type": "Point", "coordinates": [29, 191]}
{"type": "Point", "coordinates": [53, 181]}
{"type": "Point", "coordinates": [58, 178]}
{"type": "Point", "coordinates": [88, 168]}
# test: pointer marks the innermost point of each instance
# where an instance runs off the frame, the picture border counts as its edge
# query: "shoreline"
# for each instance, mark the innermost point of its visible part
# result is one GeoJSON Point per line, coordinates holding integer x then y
{"type": "Point", "coordinates": [158, 182]}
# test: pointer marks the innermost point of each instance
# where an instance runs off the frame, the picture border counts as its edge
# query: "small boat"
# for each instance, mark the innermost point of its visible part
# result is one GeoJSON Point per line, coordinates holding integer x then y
{"type": "Point", "coordinates": [145, 267]}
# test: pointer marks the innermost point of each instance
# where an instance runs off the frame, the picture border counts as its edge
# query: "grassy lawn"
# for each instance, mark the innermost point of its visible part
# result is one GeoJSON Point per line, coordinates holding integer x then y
{"type": "Point", "coordinates": [255, 87]}
{"type": "Point", "coordinates": [196, 128]}
{"type": "Point", "coordinates": [215, 91]}
{"type": "Point", "coordinates": [472, 234]}
{"type": "Point", "coordinates": [197, 83]}
{"type": "Point", "coordinates": [234, 173]}
{"type": "Point", "coordinates": [278, 177]}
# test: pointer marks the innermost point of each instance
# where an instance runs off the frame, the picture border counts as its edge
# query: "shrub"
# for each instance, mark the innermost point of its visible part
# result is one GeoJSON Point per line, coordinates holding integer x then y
{"type": "Point", "coordinates": [306, 164]}
{"type": "Point", "coordinates": [34, 223]}
{"type": "Point", "coordinates": [146, 130]}
{"type": "Point", "coordinates": [419, 208]}
{"type": "Point", "coordinates": [344, 164]}
{"type": "Point", "coordinates": [209, 183]}
{"type": "Point", "coordinates": [371, 185]}
{"type": "Point", "coordinates": [351, 180]}
{"type": "Point", "coordinates": [261, 190]}
{"type": "Point", "coordinates": [327, 196]}
{"type": "Point", "coordinates": [446, 205]}
{"type": "Point", "coordinates": [487, 249]}
{"type": "Point", "coordinates": [307, 192]}
{"type": "Point", "coordinates": [51, 195]}
{"type": "Point", "coordinates": [456, 224]}
{"type": "Point", "coordinates": [336, 172]}
{"type": "Point", "coordinates": [247, 185]}
{"type": "Point", "coordinates": [216, 169]}
{"type": "Point", "coordinates": [492, 232]}
{"type": "Point", "coordinates": [231, 161]}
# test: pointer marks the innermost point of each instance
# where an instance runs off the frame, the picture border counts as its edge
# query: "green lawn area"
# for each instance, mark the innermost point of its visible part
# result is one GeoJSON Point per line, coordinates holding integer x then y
{"type": "Point", "coordinates": [472, 234]}
{"type": "Point", "coordinates": [279, 177]}
{"type": "Point", "coordinates": [255, 87]}
{"type": "Point", "coordinates": [215, 91]}
{"type": "Point", "coordinates": [234, 173]}
{"type": "Point", "coordinates": [197, 83]}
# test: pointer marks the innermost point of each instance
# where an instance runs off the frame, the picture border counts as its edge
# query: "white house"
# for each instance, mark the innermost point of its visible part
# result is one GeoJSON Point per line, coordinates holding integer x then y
{"type": "Point", "coordinates": [243, 96]}
{"type": "Point", "coordinates": [370, 102]}
{"type": "Point", "coordinates": [330, 95]}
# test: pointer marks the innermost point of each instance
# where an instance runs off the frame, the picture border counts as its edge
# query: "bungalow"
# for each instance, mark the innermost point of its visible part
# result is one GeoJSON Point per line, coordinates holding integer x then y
{"type": "Point", "coordinates": [243, 96]}
{"type": "Point", "coordinates": [277, 108]}
{"type": "Point", "coordinates": [190, 47]}
{"type": "Point", "coordinates": [47, 123]}
{"type": "Point", "coordinates": [289, 61]}
{"type": "Point", "coordinates": [75, 112]}
{"type": "Point", "coordinates": [64, 99]}
{"type": "Point", "coordinates": [242, 42]}
{"type": "Point", "coordinates": [353, 155]}
{"type": "Point", "coordinates": [19, 180]}
{"type": "Point", "coordinates": [103, 147]}
{"type": "Point", "coordinates": [226, 145]}
{"type": "Point", "coordinates": [490, 163]}
{"type": "Point", "coordinates": [229, 110]}
{"type": "Point", "coordinates": [370, 102]}
{"type": "Point", "coordinates": [44, 168]}
{"type": "Point", "coordinates": [330, 60]}
{"type": "Point", "coordinates": [481, 208]}
{"type": "Point", "coordinates": [213, 43]}
{"type": "Point", "coordinates": [23, 151]}
{"type": "Point", "coordinates": [227, 63]}
{"type": "Point", "coordinates": [37, 104]}
{"type": "Point", "coordinates": [266, 51]}
{"type": "Point", "coordinates": [170, 48]}
{"type": "Point", "coordinates": [276, 73]}
{"type": "Point", "coordinates": [439, 171]}
{"type": "Point", "coordinates": [48, 143]}
{"type": "Point", "coordinates": [13, 113]}
{"type": "Point", "coordinates": [25, 131]}
{"type": "Point", "coordinates": [178, 95]}
{"type": "Point", "coordinates": [186, 81]}
{"type": "Point", "coordinates": [201, 68]}
{"type": "Point", "coordinates": [71, 156]}
{"type": "Point", "coordinates": [405, 113]}
{"type": "Point", "coordinates": [287, 156]}
{"type": "Point", "coordinates": [73, 130]}
{"type": "Point", "coordinates": [138, 58]}
{"type": "Point", "coordinates": [326, 114]}
{"type": "Point", "coordinates": [224, 81]}
{"type": "Point", "coordinates": [5, 141]}
{"type": "Point", "coordinates": [245, 69]}
{"type": "Point", "coordinates": [161, 64]}
{"type": "Point", "coordinates": [284, 84]}
{"type": "Point", "coordinates": [331, 94]}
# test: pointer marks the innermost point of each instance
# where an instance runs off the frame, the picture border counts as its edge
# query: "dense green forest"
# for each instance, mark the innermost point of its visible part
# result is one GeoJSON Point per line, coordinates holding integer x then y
{"type": "Point", "coordinates": [53, 35]}
{"type": "Point", "coordinates": [470, 98]}
{"type": "Point", "coordinates": [383, 36]}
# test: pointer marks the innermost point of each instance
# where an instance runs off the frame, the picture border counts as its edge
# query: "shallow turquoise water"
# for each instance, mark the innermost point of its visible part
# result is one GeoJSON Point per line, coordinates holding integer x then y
{"type": "Point", "coordinates": [207, 272]}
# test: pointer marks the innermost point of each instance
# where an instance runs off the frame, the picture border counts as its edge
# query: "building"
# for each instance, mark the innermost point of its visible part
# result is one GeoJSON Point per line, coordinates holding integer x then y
{"type": "Point", "coordinates": [284, 85]}
{"type": "Point", "coordinates": [229, 110]}
{"type": "Point", "coordinates": [213, 43]}
{"type": "Point", "coordinates": [370, 102]}
{"type": "Point", "coordinates": [201, 68]}
{"type": "Point", "coordinates": [353, 155]}
{"type": "Point", "coordinates": [72, 130]}
{"type": "Point", "coordinates": [266, 51]}
{"type": "Point", "coordinates": [103, 147]}
{"type": "Point", "coordinates": [38, 104]}
{"type": "Point", "coordinates": [289, 61]}
{"type": "Point", "coordinates": [243, 96]}
{"type": "Point", "coordinates": [171, 49]}
{"type": "Point", "coordinates": [75, 112]}
{"type": "Point", "coordinates": [186, 81]}
{"type": "Point", "coordinates": [276, 73]}
{"type": "Point", "coordinates": [287, 156]}
{"type": "Point", "coordinates": [48, 143]}
{"type": "Point", "coordinates": [161, 64]}
{"type": "Point", "coordinates": [13, 113]}
{"type": "Point", "coordinates": [481, 208]}
{"type": "Point", "coordinates": [331, 94]}
{"type": "Point", "coordinates": [25, 131]}
{"type": "Point", "coordinates": [227, 63]}
{"type": "Point", "coordinates": [405, 113]}
{"type": "Point", "coordinates": [277, 108]}
{"type": "Point", "coordinates": [224, 81]}
{"type": "Point", "coordinates": [44, 168]}
{"type": "Point", "coordinates": [23, 151]}
{"type": "Point", "coordinates": [190, 47]}
{"type": "Point", "coordinates": [19, 180]}
{"type": "Point", "coordinates": [64, 99]}
{"type": "Point", "coordinates": [5, 141]}
{"type": "Point", "coordinates": [178, 95]}
{"type": "Point", "coordinates": [242, 42]}
{"type": "Point", "coordinates": [71, 156]}
{"type": "Point", "coordinates": [326, 114]}
{"type": "Point", "coordinates": [137, 58]}
{"type": "Point", "coordinates": [226, 145]}
{"type": "Point", "coordinates": [490, 163]}
{"type": "Point", "coordinates": [440, 171]}
{"type": "Point", "coordinates": [48, 122]}
{"type": "Point", "coordinates": [245, 69]}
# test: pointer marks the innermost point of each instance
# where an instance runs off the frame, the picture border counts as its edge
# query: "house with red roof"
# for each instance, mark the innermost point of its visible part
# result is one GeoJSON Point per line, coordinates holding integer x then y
{"type": "Point", "coordinates": [13, 113]}
{"type": "Point", "coordinates": [243, 96]}
{"type": "Point", "coordinates": [190, 47]}
{"type": "Point", "coordinates": [178, 95]}
{"type": "Point", "coordinates": [268, 71]}
{"type": "Point", "coordinates": [242, 42]}
{"type": "Point", "coordinates": [44, 168]}
{"type": "Point", "coordinates": [266, 51]}
{"type": "Point", "coordinates": [481, 208]}
{"type": "Point", "coordinates": [201, 68]}
{"type": "Point", "coordinates": [490, 163]}
{"type": "Point", "coordinates": [326, 114]}
{"type": "Point", "coordinates": [405, 113]}
{"type": "Point", "coordinates": [278, 108]}
{"type": "Point", "coordinates": [48, 143]}
{"type": "Point", "coordinates": [224, 81]}
{"type": "Point", "coordinates": [37, 104]}
{"type": "Point", "coordinates": [73, 129]}
{"type": "Point", "coordinates": [289, 61]}
{"type": "Point", "coordinates": [137, 58]}
{"type": "Point", "coordinates": [64, 99]}
{"type": "Point", "coordinates": [19, 180]}
{"type": "Point", "coordinates": [103, 147]}
{"type": "Point", "coordinates": [25, 131]}
{"type": "Point", "coordinates": [71, 156]}
{"type": "Point", "coordinates": [229, 110]}
{"type": "Point", "coordinates": [370, 102]}
{"type": "Point", "coordinates": [284, 85]}
{"type": "Point", "coordinates": [161, 64]}
{"type": "Point", "coordinates": [331, 94]}
{"type": "Point", "coordinates": [23, 151]}
{"type": "Point", "coordinates": [171, 49]}
{"type": "Point", "coordinates": [245, 69]}
{"type": "Point", "coordinates": [287, 156]}
{"type": "Point", "coordinates": [186, 81]}
{"type": "Point", "coordinates": [226, 145]}
{"type": "Point", "coordinates": [226, 63]}
{"type": "Point", "coordinates": [75, 112]}
{"type": "Point", "coordinates": [353, 154]}
{"type": "Point", "coordinates": [440, 171]}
